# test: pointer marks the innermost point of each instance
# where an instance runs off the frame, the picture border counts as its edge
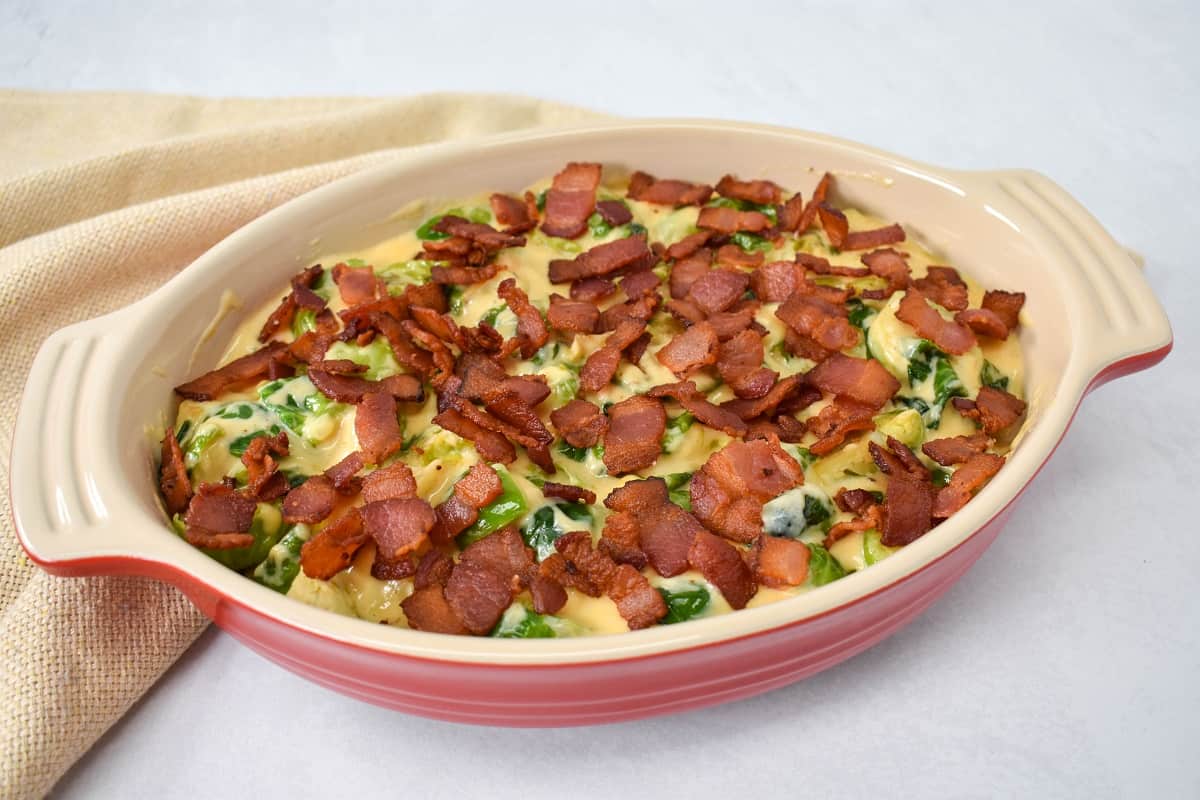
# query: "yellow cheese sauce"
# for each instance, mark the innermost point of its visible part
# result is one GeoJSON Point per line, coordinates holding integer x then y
{"type": "Point", "coordinates": [321, 432]}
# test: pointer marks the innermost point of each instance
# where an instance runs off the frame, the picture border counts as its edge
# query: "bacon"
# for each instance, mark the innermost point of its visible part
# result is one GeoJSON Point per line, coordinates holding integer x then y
{"type": "Point", "coordinates": [478, 488]}
{"type": "Point", "coordinates": [687, 270]}
{"type": "Point", "coordinates": [509, 407]}
{"type": "Point", "coordinates": [614, 212]}
{"type": "Point", "coordinates": [722, 565]}
{"type": "Point", "coordinates": [601, 260]}
{"type": "Point", "coordinates": [531, 328]}
{"type": "Point", "coordinates": [739, 362]}
{"type": "Point", "coordinates": [634, 437]}
{"type": "Point", "coordinates": [649, 189]}
{"type": "Point", "coordinates": [854, 501]}
{"type": "Point", "coordinates": [263, 480]}
{"type": "Point", "coordinates": [733, 256]}
{"type": "Point", "coordinates": [301, 296]}
{"type": "Point", "coordinates": [666, 537]}
{"type": "Point", "coordinates": [640, 284]}
{"type": "Point", "coordinates": [556, 568]}
{"type": "Point", "coordinates": [836, 421]}
{"type": "Point", "coordinates": [1006, 305]}
{"type": "Point", "coordinates": [592, 290]}
{"type": "Point", "coordinates": [351, 389]}
{"type": "Point", "coordinates": [440, 325]}
{"type": "Point", "coordinates": [790, 214]}
{"type": "Point", "coordinates": [780, 563]}
{"type": "Point", "coordinates": [688, 245]}
{"type": "Point", "coordinates": [759, 192]}
{"type": "Point", "coordinates": [239, 372]}
{"type": "Point", "coordinates": [619, 539]}
{"type": "Point", "coordinates": [751, 408]}
{"type": "Point", "coordinates": [333, 547]}
{"type": "Point", "coordinates": [877, 237]}
{"type": "Point", "coordinates": [897, 459]}
{"type": "Point", "coordinates": [514, 213]}
{"type": "Point", "coordinates": [637, 601]}
{"type": "Point", "coordinates": [443, 358]}
{"type": "Point", "coordinates": [573, 494]}
{"type": "Point", "coordinates": [383, 569]}
{"type": "Point", "coordinates": [172, 475]}
{"type": "Point", "coordinates": [572, 315]}
{"type": "Point", "coordinates": [394, 482]}
{"type": "Point", "coordinates": [965, 481]}
{"type": "Point", "coordinates": [821, 266]}
{"type": "Point", "coordinates": [775, 282]}
{"type": "Point", "coordinates": [491, 445]}
{"type": "Point", "coordinates": [994, 409]}
{"type": "Point", "coordinates": [357, 284]}
{"type": "Point", "coordinates": [338, 366]}
{"type": "Point", "coordinates": [571, 199]}
{"type": "Point", "coordinates": [426, 609]}
{"type": "Point", "coordinates": [834, 223]}
{"type": "Point", "coordinates": [956, 449]}
{"type": "Point", "coordinates": [376, 427]}
{"type": "Point", "coordinates": [503, 552]}
{"type": "Point", "coordinates": [729, 491]}
{"type": "Point", "coordinates": [218, 518]}
{"type": "Point", "coordinates": [433, 569]}
{"type": "Point", "coordinates": [983, 322]}
{"type": "Point", "coordinates": [714, 416]}
{"type": "Point", "coordinates": [599, 369]}
{"type": "Point", "coordinates": [730, 323]}
{"type": "Point", "coordinates": [818, 199]}
{"type": "Point", "coordinates": [891, 265]}
{"type": "Point", "coordinates": [718, 289]}
{"type": "Point", "coordinates": [459, 275]}
{"type": "Point", "coordinates": [685, 312]}
{"type": "Point", "coordinates": [869, 517]}
{"type": "Point", "coordinates": [823, 322]}
{"type": "Point", "coordinates": [580, 423]}
{"type": "Point", "coordinates": [907, 510]}
{"type": "Point", "coordinates": [400, 527]}
{"type": "Point", "coordinates": [730, 220]}
{"type": "Point", "coordinates": [915, 311]}
{"type": "Point", "coordinates": [343, 474]}
{"type": "Point", "coordinates": [310, 502]}
{"type": "Point", "coordinates": [485, 236]}
{"type": "Point", "coordinates": [406, 353]}
{"type": "Point", "coordinates": [548, 595]}
{"type": "Point", "coordinates": [695, 347]}
{"type": "Point", "coordinates": [944, 286]}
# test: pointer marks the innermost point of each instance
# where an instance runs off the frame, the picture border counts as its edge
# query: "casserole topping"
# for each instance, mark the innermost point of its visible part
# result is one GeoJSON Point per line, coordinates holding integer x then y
{"type": "Point", "coordinates": [605, 404]}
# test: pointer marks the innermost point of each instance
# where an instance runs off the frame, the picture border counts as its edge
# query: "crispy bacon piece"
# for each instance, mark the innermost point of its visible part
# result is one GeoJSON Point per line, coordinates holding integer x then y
{"type": "Point", "coordinates": [731, 255]}
{"type": "Point", "coordinates": [592, 290]}
{"type": "Point", "coordinates": [571, 199]}
{"type": "Point", "coordinates": [579, 422]}
{"type": "Point", "coordinates": [730, 323]}
{"type": "Point", "coordinates": [602, 259]}
{"type": "Point", "coordinates": [640, 310]}
{"type": "Point", "coordinates": [383, 569]}
{"type": "Point", "coordinates": [573, 494]}
{"type": "Point", "coordinates": [688, 245]}
{"type": "Point", "coordinates": [915, 311]}
{"type": "Point", "coordinates": [956, 449]}
{"type": "Point", "coordinates": [994, 409]}
{"type": "Point", "coordinates": [739, 362]}
{"type": "Point", "coordinates": [790, 213]}
{"type": "Point", "coordinates": [714, 416]}
{"type": "Point", "coordinates": [965, 481]}
{"type": "Point", "coordinates": [601, 365]}
{"type": "Point", "coordinates": [573, 316]}
{"type": "Point", "coordinates": [780, 563]}
{"type": "Point", "coordinates": [634, 437]}
{"type": "Point", "coordinates": [775, 282]}
{"type": "Point", "coordinates": [548, 594]}
{"type": "Point", "coordinates": [877, 237]}
{"type": "Point", "coordinates": [722, 565]}
{"type": "Point", "coordinates": [310, 502]}
{"type": "Point", "coordinates": [459, 275]}
{"type": "Point", "coordinates": [818, 199]}
{"type": "Point", "coordinates": [907, 510]}
{"type": "Point", "coordinates": [264, 482]}
{"type": "Point", "coordinates": [821, 266]}
{"type": "Point", "coordinates": [730, 220]}
{"type": "Point", "coordinates": [759, 192]}
{"type": "Point", "coordinates": [836, 421]}
{"type": "Point", "coordinates": [516, 214]}
{"type": "Point", "coordinates": [1006, 305]}
{"type": "Point", "coordinates": [897, 459]}
{"type": "Point", "coordinates": [400, 527]}
{"type": "Point", "coordinates": [352, 389]}
{"type": "Point", "coordinates": [393, 482]}
{"type": "Point", "coordinates": [358, 284]}
{"type": "Point", "coordinates": [718, 289]}
{"type": "Point", "coordinates": [426, 609]}
{"type": "Point", "coordinates": [433, 569]}
{"type": "Point", "coordinates": [301, 296]}
{"type": "Point", "coordinates": [834, 224]}
{"type": "Point", "coordinates": [531, 328]}
{"type": "Point", "coordinates": [891, 265]}
{"type": "Point", "coordinates": [479, 487]}
{"type": "Point", "coordinates": [868, 517]}
{"type": "Point", "coordinates": [510, 408]}
{"type": "Point", "coordinates": [491, 445]}
{"type": "Point", "coordinates": [695, 347]}
{"type": "Point", "coordinates": [484, 236]}
{"type": "Point", "coordinates": [854, 501]}
{"type": "Point", "coordinates": [614, 212]}
{"type": "Point", "coordinates": [782, 391]}
{"type": "Point", "coordinates": [172, 475]}
{"type": "Point", "coordinates": [983, 322]}
{"type": "Point", "coordinates": [334, 546]}
{"type": "Point", "coordinates": [376, 427]}
{"type": "Point", "coordinates": [687, 270]}
{"type": "Point", "coordinates": [439, 351]}
{"type": "Point", "coordinates": [619, 539]}
{"type": "Point", "coordinates": [343, 474]}
{"type": "Point", "coordinates": [640, 284]}
{"type": "Point", "coordinates": [944, 286]}
{"type": "Point", "coordinates": [822, 321]}
{"type": "Point", "coordinates": [218, 518]}
{"type": "Point", "coordinates": [236, 373]}
{"type": "Point", "coordinates": [557, 569]}
{"type": "Point", "coordinates": [638, 602]}
{"type": "Point", "coordinates": [649, 189]}
{"type": "Point", "coordinates": [665, 531]}
{"type": "Point", "coordinates": [440, 325]}
{"type": "Point", "coordinates": [729, 491]}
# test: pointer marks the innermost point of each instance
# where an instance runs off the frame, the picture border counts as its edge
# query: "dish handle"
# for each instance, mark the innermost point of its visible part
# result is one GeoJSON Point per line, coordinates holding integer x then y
{"type": "Point", "coordinates": [1126, 329]}
{"type": "Point", "coordinates": [66, 483]}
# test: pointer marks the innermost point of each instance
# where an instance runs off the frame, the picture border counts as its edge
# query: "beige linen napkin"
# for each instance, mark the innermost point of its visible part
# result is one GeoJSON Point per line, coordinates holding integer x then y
{"type": "Point", "coordinates": [103, 197]}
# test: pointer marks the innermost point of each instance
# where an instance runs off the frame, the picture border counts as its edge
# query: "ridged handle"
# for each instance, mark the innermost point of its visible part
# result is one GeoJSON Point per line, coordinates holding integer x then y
{"type": "Point", "coordinates": [1128, 330]}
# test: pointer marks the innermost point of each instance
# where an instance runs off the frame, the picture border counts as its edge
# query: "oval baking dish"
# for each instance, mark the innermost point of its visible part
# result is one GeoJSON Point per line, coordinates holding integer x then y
{"type": "Point", "coordinates": [84, 488]}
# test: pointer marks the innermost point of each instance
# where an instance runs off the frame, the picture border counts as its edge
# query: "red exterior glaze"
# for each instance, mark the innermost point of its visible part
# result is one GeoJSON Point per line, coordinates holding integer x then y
{"type": "Point", "coordinates": [592, 693]}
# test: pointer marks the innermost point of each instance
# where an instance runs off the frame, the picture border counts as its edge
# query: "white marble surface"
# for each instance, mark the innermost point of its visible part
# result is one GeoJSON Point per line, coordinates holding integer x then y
{"type": "Point", "coordinates": [1065, 664]}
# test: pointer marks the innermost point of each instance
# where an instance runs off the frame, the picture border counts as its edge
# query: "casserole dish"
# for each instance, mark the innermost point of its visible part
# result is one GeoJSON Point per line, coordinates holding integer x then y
{"type": "Point", "coordinates": [84, 493]}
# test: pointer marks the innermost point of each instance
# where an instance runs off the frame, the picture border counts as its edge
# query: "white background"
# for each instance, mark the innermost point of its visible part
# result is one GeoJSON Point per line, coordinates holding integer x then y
{"type": "Point", "coordinates": [1065, 664]}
